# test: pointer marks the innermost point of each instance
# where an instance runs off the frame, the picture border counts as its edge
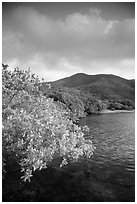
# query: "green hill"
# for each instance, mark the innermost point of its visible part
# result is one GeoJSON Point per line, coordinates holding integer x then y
{"type": "Point", "coordinates": [90, 94]}
{"type": "Point", "coordinates": [102, 86]}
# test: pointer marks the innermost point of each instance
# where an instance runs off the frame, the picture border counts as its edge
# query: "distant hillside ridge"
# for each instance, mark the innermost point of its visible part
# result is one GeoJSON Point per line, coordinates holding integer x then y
{"type": "Point", "coordinates": [80, 79]}
{"type": "Point", "coordinates": [102, 86]}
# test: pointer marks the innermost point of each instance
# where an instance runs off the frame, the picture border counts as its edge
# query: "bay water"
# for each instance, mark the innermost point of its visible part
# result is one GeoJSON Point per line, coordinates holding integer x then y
{"type": "Point", "coordinates": [113, 161]}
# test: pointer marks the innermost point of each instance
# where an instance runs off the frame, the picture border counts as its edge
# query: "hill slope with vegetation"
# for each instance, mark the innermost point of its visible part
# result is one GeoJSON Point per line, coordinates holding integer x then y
{"type": "Point", "coordinates": [112, 91]}
{"type": "Point", "coordinates": [44, 150]}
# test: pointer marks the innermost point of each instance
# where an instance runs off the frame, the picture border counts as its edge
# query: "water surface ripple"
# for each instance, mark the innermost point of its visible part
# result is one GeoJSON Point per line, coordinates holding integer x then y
{"type": "Point", "coordinates": [113, 162]}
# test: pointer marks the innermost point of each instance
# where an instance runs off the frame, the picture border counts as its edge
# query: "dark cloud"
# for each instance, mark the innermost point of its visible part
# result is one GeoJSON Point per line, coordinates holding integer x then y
{"type": "Point", "coordinates": [80, 42]}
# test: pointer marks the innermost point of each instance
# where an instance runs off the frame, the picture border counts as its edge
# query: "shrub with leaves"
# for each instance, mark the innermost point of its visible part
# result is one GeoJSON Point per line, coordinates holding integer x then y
{"type": "Point", "coordinates": [71, 99]}
{"type": "Point", "coordinates": [37, 131]}
{"type": "Point", "coordinates": [74, 103]}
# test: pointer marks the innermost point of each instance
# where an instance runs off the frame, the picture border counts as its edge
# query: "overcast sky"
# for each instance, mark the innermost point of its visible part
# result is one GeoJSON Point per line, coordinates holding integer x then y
{"type": "Point", "coordinates": [57, 40]}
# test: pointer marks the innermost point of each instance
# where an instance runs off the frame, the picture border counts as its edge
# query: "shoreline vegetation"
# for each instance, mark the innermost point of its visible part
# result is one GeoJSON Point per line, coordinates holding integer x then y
{"type": "Point", "coordinates": [43, 145]}
{"type": "Point", "coordinates": [39, 134]}
{"type": "Point", "coordinates": [82, 104]}
{"type": "Point", "coordinates": [94, 93]}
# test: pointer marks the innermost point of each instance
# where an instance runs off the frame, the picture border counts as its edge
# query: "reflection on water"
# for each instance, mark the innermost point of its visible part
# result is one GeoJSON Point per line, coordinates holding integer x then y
{"type": "Point", "coordinates": [113, 162]}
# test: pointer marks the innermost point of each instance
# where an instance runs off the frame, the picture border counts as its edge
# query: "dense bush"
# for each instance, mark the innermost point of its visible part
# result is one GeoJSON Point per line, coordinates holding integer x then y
{"type": "Point", "coordinates": [80, 103]}
{"type": "Point", "coordinates": [115, 106]}
{"type": "Point", "coordinates": [121, 105]}
{"type": "Point", "coordinates": [128, 103]}
{"type": "Point", "coordinates": [71, 99]}
{"type": "Point", "coordinates": [37, 131]}
{"type": "Point", "coordinates": [91, 104]}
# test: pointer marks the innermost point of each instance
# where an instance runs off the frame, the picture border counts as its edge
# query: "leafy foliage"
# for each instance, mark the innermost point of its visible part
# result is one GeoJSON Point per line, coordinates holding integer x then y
{"type": "Point", "coordinates": [92, 105]}
{"type": "Point", "coordinates": [121, 105]}
{"type": "Point", "coordinates": [80, 103]}
{"type": "Point", "coordinates": [37, 131]}
{"type": "Point", "coordinates": [71, 99]}
{"type": "Point", "coordinates": [102, 89]}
